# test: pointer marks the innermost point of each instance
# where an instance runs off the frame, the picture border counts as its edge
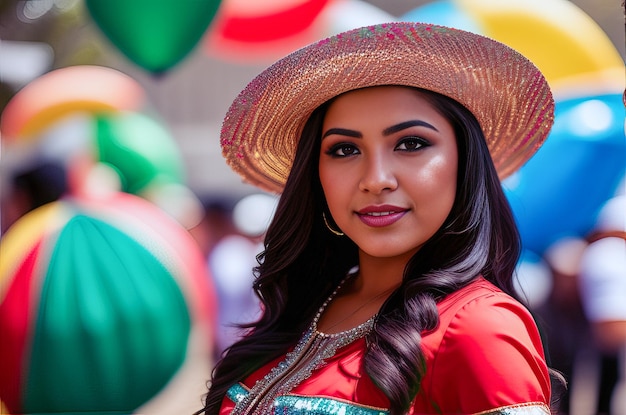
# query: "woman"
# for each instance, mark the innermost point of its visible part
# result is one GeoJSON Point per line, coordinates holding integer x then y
{"type": "Point", "coordinates": [386, 278]}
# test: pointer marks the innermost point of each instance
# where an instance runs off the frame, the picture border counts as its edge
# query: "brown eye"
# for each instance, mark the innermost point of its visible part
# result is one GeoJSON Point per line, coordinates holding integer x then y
{"type": "Point", "coordinates": [343, 150]}
{"type": "Point", "coordinates": [411, 144]}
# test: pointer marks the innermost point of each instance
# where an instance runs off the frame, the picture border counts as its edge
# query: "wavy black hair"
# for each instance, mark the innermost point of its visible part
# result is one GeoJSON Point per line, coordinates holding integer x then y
{"type": "Point", "coordinates": [303, 262]}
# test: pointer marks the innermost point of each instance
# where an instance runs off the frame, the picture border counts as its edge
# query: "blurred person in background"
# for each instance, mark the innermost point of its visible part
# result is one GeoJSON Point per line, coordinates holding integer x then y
{"type": "Point", "coordinates": [566, 328]}
{"type": "Point", "coordinates": [235, 230]}
{"type": "Point", "coordinates": [30, 187]}
{"type": "Point", "coordinates": [585, 314]}
{"type": "Point", "coordinates": [603, 295]}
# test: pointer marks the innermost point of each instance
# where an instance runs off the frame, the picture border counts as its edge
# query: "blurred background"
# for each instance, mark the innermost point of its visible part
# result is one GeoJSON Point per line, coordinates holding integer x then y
{"type": "Point", "coordinates": [193, 96]}
{"type": "Point", "coordinates": [127, 244]}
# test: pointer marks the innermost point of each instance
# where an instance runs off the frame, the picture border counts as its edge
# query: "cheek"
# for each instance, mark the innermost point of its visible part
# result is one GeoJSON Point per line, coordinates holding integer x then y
{"type": "Point", "coordinates": [447, 183]}
{"type": "Point", "coordinates": [438, 185]}
{"type": "Point", "coordinates": [448, 187]}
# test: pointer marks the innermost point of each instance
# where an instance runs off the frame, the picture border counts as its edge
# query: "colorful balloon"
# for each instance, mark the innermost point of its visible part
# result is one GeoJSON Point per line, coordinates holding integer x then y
{"type": "Point", "coordinates": [263, 31]}
{"type": "Point", "coordinates": [134, 150]}
{"type": "Point", "coordinates": [97, 305]}
{"type": "Point", "coordinates": [83, 88]}
{"type": "Point", "coordinates": [139, 149]}
{"type": "Point", "coordinates": [559, 192]}
{"type": "Point", "coordinates": [567, 45]}
{"type": "Point", "coordinates": [155, 35]}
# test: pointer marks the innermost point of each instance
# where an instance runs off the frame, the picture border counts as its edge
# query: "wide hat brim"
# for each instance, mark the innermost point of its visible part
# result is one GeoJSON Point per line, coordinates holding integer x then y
{"type": "Point", "coordinates": [506, 92]}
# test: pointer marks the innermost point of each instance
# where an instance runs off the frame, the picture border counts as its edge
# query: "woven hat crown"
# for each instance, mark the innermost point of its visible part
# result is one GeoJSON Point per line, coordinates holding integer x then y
{"type": "Point", "coordinates": [505, 91]}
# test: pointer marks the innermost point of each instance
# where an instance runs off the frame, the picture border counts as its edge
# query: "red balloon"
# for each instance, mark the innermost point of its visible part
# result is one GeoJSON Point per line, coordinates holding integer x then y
{"type": "Point", "coordinates": [244, 32]}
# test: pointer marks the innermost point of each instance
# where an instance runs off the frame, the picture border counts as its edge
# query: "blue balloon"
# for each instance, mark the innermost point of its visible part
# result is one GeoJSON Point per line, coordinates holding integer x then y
{"type": "Point", "coordinates": [559, 192]}
{"type": "Point", "coordinates": [444, 13]}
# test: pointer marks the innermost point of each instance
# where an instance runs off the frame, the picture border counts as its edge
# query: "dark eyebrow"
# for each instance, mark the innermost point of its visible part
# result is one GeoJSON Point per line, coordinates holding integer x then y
{"type": "Point", "coordinates": [343, 131]}
{"type": "Point", "coordinates": [407, 124]}
{"type": "Point", "coordinates": [386, 131]}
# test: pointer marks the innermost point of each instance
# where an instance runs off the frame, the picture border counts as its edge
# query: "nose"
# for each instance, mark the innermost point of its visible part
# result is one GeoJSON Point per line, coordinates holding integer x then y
{"type": "Point", "coordinates": [378, 175]}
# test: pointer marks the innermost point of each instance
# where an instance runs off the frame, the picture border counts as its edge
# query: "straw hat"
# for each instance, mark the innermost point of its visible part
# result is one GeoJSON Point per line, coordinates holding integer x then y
{"type": "Point", "coordinates": [506, 93]}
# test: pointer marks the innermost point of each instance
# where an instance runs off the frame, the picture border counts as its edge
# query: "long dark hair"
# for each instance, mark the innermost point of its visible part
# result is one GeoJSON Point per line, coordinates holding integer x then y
{"type": "Point", "coordinates": [303, 262]}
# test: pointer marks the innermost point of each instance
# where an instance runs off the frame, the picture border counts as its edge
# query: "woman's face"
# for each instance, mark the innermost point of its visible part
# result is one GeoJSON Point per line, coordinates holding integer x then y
{"type": "Point", "coordinates": [388, 167]}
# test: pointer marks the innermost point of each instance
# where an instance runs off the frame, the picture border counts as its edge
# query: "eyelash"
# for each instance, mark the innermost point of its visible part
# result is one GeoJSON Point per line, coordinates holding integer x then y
{"type": "Point", "coordinates": [420, 142]}
{"type": "Point", "coordinates": [334, 150]}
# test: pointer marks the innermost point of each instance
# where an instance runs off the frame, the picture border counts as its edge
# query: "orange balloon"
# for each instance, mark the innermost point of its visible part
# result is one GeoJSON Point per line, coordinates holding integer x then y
{"type": "Point", "coordinates": [83, 88]}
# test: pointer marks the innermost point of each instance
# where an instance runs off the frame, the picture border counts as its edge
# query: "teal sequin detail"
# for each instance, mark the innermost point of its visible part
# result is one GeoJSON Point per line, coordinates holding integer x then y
{"type": "Point", "coordinates": [308, 405]}
{"type": "Point", "coordinates": [236, 393]}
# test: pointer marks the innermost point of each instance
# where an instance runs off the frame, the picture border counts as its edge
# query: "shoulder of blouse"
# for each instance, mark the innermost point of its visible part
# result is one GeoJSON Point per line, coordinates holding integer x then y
{"type": "Point", "coordinates": [486, 353]}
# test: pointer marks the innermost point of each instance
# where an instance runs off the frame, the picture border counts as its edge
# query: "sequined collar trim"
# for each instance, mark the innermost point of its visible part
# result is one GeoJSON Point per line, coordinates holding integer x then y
{"type": "Point", "coordinates": [310, 353]}
{"type": "Point", "coordinates": [309, 405]}
{"type": "Point", "coordinates": [532, 408]}
{"type": "Point", "coordinates": [318, 405]}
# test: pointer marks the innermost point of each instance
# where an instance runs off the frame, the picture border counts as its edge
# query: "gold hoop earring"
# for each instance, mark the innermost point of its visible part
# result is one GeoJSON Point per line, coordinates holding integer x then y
{"type": "Point", "coordinates": [336, 232]}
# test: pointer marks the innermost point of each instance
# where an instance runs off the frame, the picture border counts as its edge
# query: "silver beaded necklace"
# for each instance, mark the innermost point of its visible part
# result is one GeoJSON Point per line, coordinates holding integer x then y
{"type": "Point", "coordinates": [310, 353]}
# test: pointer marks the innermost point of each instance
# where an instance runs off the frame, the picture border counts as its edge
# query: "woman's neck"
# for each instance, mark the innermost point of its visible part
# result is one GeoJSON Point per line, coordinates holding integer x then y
{"type": "Point", "coordinates": [361, 296]}
{"type": "Point", "coordinates": [379, 274]}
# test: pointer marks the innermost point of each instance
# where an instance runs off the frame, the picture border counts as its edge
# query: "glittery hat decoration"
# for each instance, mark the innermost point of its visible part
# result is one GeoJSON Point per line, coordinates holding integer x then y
{"type": "Point", "coordinates": [505, 91]}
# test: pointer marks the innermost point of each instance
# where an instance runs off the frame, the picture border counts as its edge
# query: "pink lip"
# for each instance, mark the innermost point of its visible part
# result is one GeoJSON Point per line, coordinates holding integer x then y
{"type": "Point", "coordinates": [383, 215]}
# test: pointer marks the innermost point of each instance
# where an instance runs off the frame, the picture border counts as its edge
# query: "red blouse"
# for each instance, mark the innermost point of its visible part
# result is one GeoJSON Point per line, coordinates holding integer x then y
{"type": "Point", "coordinates": [485, 354]}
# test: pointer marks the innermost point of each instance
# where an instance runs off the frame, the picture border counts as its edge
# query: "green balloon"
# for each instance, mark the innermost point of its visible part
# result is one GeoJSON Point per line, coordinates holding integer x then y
{"type": "Point", "coordinates": [139, 149]}
{"type": "Point", "coordinates": [157, 34]}
{"type": "Point", "coordinates": [112, 325]}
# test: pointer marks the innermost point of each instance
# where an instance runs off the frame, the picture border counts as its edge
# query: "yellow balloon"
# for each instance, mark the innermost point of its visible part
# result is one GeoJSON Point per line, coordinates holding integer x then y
{"type": "Point", "coordinates": [565, 43]}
